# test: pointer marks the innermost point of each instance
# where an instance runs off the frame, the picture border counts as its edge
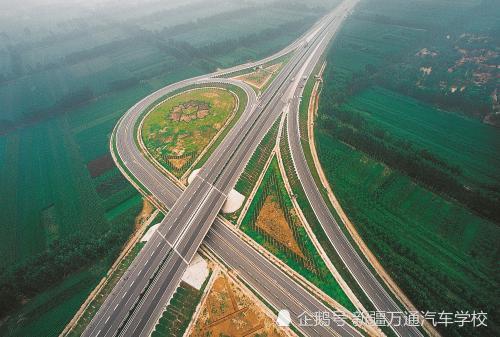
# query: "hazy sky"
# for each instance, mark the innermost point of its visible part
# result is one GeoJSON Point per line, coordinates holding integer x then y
{"type": "Point", "coordinates": [10, 5]}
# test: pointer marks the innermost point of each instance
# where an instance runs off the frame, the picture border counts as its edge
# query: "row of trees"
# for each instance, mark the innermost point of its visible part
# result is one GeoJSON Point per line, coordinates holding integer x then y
{"type": "Point", "coordinates": [62, 258]}
{"type": "Point", "coordinates": [440, 289]}
{"type": "Point", "coordinates": [418, 164]}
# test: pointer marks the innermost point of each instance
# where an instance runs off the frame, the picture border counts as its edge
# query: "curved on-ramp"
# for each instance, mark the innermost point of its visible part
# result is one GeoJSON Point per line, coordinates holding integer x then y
{"type": "Point", "coordinates": [255, 269]}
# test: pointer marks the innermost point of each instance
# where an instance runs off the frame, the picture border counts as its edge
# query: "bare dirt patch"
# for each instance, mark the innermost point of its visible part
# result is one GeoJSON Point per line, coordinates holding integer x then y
{"type": "Point", "coordinates": [179, 163]}
{"type": "Point", "coordinates": [229, 312]}
{"type": "Point", "coordinates": [272, 221]}
{"type": "Point", "coordinates": [147, 210]}
{"type": "Point", "coordinates": [189, 111]}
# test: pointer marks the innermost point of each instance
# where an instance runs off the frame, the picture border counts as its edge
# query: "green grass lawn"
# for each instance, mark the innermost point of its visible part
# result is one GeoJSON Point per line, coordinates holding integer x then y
{"type": "Point", "coordinates": [177, 130]}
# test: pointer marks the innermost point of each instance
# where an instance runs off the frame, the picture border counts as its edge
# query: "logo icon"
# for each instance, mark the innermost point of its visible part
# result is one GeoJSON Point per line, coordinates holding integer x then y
{"type": "Point", "coordinates": [283, 318]}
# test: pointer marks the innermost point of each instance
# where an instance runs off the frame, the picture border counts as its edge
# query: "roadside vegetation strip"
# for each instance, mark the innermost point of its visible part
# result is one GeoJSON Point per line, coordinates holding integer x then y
{"type": "Point", "coordinates": [286, 237]}
{"type": "Point", "coordinates": [215, 269]}
{"type": "Point", "coordinates": [303, 202]}
{"type": "Point", "coordinates": [255, 165]}
{"type": "Point", "coordinates": [103, 291]}
{"type": "Point", "coordinates": [313, 82]}
{"type": "Point", "coordinates": [178, 314]}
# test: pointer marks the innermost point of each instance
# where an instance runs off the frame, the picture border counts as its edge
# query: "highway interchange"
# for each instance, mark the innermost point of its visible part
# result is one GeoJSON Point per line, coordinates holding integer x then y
{"type": "Point", "coordinates": [140, 296]}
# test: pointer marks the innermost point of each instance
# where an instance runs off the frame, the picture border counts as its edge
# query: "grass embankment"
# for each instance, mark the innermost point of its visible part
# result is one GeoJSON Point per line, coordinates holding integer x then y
{"type": "Point", "coordinates": [290, 242]}
{"type": "Point", "coordinates": [256, 164]}
{"type": "Point", "coordinates": [176, 317]}
{"type": "Point", "coordinates": [176, 131]}
{"type": "Point", "coordinates": [179, 313]}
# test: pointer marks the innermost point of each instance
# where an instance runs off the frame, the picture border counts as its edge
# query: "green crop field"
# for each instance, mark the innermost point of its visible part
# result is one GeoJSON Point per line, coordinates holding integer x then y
{"type": "Point", "coordinates": [48, 313]}
{"type": "Point", "coordinates": [440, 253]}
{"type": "Point", "coordinates": [414, 163]}
{"type": "Point", "coordinates": [460, 141]}
{"type": "Point", "coordinates": [179, 129]}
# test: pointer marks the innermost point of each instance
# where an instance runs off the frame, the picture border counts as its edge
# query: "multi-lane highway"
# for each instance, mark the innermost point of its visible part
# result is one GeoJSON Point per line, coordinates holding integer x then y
{"type": "Point", "coordinates": [149, 283]}
{"type": "Point", "coordinates": [369, 284]}
{"type": "Point", "coordinates": [142, 293]}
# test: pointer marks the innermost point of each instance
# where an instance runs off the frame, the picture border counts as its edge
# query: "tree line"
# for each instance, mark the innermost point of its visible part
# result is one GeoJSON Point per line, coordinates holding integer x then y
{"type": "Point", "coordinates": [63, 257]}
{"type": "Point", "coordinates": [419, 164]}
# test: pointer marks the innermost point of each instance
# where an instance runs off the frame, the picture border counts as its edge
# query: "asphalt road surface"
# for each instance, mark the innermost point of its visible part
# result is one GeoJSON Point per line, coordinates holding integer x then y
{"type": "Point", "coordinates": [141, 295]}
{"type": "Point", "coordinates": [361, 273]}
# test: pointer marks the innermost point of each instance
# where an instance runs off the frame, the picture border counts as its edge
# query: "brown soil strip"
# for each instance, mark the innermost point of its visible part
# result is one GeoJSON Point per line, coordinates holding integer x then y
{"type": "Point", "coordinates": [257, 328]}
{"type": "Point", "coordinates": [231, 296]}
{"type": "Point", "coordinates": [225, 318]}
{"type": "Point", "coordinates": [237, 314]}
{"type": "Point", "coordinates": [271, 220]}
